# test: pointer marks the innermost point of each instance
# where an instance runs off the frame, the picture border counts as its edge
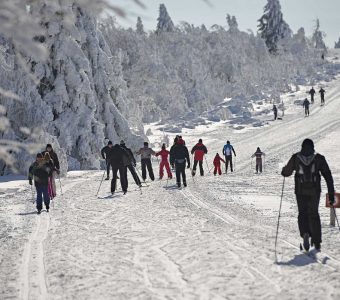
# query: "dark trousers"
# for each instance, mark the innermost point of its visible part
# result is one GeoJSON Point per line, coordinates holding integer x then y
{"type": "Point", "coordinates": [122, 176]}
{"type": "Point", "coordinates": [200, 162]}
{"type": "Point", "coordinates": [146, 163]}
{"type": "Point", "coordinates": [134, 174]}
{"type": "Point", "coordinates": [259, 165]}
{"type": "Point", "coordinates": [275, 115]}
{"type": "Point", "coordinates": [306, 111]}
{"type": "Point", "coordinates": [312, 98]}
{"type": "Point", "coordinates": [108, 166]}
{"type": "Point", "coordinates": [180, 171]}
{"type": "Point", "coordinates": [309, 219]}
{"type": "Point", "coordinates": [322, 99]}
{"type": "Point", "coordinates": [42, 192]}
{"type": "Point", "coordinates": [228, 159]}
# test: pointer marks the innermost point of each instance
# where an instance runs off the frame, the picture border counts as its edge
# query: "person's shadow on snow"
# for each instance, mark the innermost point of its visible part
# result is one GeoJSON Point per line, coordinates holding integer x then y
{"type": "Point", "coordinates": [27, 213]}
{"type": "Point", "coordinates": [299, 260]}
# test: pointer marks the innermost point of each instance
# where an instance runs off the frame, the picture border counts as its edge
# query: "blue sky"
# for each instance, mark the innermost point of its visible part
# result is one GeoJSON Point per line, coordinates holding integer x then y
{"type": "Point", "coordinates": [297, 13]}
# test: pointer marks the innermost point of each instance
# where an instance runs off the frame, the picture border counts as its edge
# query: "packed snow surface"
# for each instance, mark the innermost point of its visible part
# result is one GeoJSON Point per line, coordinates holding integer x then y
{"type": "Point", "coordinates": [211, 240]}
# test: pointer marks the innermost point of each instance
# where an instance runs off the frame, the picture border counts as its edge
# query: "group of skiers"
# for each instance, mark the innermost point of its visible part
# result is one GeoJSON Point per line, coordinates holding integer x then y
{"type": "Point", "coordinates": [120, 158]}
{"type": "Point", "coordinates": [306, 102]}
{"type": "Point", "coordinates": [44, 172]}
{"type": "Point", "coordinates": [307, 165]}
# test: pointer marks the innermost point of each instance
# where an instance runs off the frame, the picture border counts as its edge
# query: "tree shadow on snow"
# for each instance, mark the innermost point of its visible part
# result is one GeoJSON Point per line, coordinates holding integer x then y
{"type": "Point", "coordinates": [299, 260]}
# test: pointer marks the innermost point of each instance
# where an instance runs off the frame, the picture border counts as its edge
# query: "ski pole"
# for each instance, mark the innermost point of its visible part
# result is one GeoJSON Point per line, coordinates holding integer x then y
{"type": "Point", "coordinates": [33, 199]}
{"type": "Point", "coordinates": [278, 220]}
{"type": "Point", "coordinates": [101, 183]}
{"type": "Point", "coordinates": [61, 189]}
{"type": "Point", "coordinates": [336, 217]}
{"type": "Point", "coordinates": [192, 175]}
{"type": "Point", "coordinates": [206, 161]}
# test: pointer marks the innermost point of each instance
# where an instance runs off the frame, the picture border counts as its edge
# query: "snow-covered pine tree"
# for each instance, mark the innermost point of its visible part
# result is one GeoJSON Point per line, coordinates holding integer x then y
{"type": "Point", "coordinates": [337, 44]}
{"type": "Point", "coordinates": [318, 36]}
{"type": "Point", "coordinates": [272, 27]}
{"type": "Point", "coordinates": [165, 23]}
{"type": "Point", "coordinates": [140, 26]}
{"type": "Point", "coordinates": [232, 23]}
{"type": "Point", "coordinates": [81, 94]}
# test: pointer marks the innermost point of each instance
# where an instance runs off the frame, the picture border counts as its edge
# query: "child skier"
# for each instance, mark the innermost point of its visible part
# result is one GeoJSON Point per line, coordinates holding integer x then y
{"type": "Point", "coordinates": [217, 164]}
{"type": "Point", "coordinates": [258, 154]}
{"type": "Point", "coordinates": [164, 154]}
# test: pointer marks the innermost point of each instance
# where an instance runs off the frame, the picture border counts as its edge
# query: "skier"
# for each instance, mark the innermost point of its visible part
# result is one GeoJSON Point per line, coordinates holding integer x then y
{"type": "Point", "coordinates": [199, 150]}
{"type": "Point", "coordinates": [307, 166]}
{"type": "Point", "coordinates": [164, 162]}
{"type": "Point", "coordinates": [56, 163]}
{"type": "Point", "coordinates": [217, 164]}
{"type": "Point", "coordinates": [179, 156]}
{"type": "Point", "coordinates": [275, 112]}
{"type": "Point", "coordinates": [40, 171]}
{"type": "Point", "coordinates": [322, 94]}
{"type": "Point", "coordinates": [105, 152]}
{"type": "Point", "coordinates": [49, 161]}
{"type": "Point", "coordinates": [131, 164]}
{"type": "Point", "coordinates": [228, 151]}
{"type": "Point", "coordinates": [258, 154]}
{"type": "Point", "coordinates": [306, 106]}
{"type": "Point", "coordinates": [145, 154]}
{"type": "Point", "coordinates": [119, 159]}
{"type": "Point", "coordinates": [312, 93]}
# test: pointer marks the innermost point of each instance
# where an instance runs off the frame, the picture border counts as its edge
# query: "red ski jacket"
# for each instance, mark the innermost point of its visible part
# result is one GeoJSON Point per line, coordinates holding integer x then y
{"type": "Point", "coordinates": [199, 150]}
{"type": "Point", "coordinates": [164, 154]}
{"type": "Point", "coordinates": [217, 160]}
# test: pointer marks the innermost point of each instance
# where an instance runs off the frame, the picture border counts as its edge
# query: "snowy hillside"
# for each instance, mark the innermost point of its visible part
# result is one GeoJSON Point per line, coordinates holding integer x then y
{"type": "Point", "coordinates": [212, 240]}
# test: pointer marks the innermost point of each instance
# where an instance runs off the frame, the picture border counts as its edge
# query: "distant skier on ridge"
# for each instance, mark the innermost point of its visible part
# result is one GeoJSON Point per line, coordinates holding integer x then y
{"type": "Point", "coordinates": [312, 93]}
{"type": "Point", "coordinates": [322, 94]}
{"type": "Point", "coordinates": [306, 104]}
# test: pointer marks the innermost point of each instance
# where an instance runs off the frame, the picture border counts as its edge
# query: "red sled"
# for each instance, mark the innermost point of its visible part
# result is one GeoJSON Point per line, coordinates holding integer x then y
{"type": "Point", "coordinates": [336, 198]}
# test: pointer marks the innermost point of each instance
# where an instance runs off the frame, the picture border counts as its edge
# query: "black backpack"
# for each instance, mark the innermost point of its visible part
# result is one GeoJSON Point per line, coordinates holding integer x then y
{"type": "Point", "coordinates": [306, 176]}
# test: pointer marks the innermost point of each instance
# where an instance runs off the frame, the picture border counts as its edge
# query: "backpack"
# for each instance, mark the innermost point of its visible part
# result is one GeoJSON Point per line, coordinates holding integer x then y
{"type": "Point", "coordinates": [307, 176]}
{"type": "Point", "coordinates": [227, 150]}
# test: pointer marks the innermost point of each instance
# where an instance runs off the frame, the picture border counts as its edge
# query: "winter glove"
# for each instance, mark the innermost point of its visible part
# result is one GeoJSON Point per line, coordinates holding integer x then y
{"type": "Point", "coordinates": [283, 173]}
{"type": "Point", "coordinates": [30, 181]}
{"type": "Point", "coordinates": [331, 199]}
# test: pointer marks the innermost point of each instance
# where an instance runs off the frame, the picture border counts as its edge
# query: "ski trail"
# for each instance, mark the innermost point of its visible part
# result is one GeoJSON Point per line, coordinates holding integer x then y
{"type": "Point", "coordinates": [33, 283]}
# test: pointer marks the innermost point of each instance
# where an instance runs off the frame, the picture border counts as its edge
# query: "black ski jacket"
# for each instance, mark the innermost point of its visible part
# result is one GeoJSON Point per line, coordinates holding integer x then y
{"type": "Point", "coordinates": [129, 152]}
{"type": "Point", "coordinates": [321, 167]}
{"type": "Point", "coordinates": [40, 172]}
{"type": "Point", "coordinates": [179, 153]}
{"type": "Point", "coordinates": [118, 157]}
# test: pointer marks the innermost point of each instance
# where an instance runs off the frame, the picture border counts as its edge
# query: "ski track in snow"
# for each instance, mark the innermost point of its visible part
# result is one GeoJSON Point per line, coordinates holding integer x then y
{"type": "Point", "coordinates": [211, 240]}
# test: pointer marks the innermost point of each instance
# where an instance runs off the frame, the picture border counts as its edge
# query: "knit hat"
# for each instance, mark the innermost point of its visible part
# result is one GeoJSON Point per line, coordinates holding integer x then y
{"type": "Point", "coordinates": [307, 147]}
{"type": "Point", "coordinates": [48, 146]}
{"type": "Point", "coordinates": [109, 143]}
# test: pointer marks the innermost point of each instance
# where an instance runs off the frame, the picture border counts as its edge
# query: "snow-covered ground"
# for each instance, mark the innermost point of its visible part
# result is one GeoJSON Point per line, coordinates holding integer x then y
{"type": "Point", "coordinates": [212, 240]}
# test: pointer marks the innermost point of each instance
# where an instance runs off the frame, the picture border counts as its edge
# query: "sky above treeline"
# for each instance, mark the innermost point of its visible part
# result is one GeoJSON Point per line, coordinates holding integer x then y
{"type": "Point", "coordinates": [297, 13]}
